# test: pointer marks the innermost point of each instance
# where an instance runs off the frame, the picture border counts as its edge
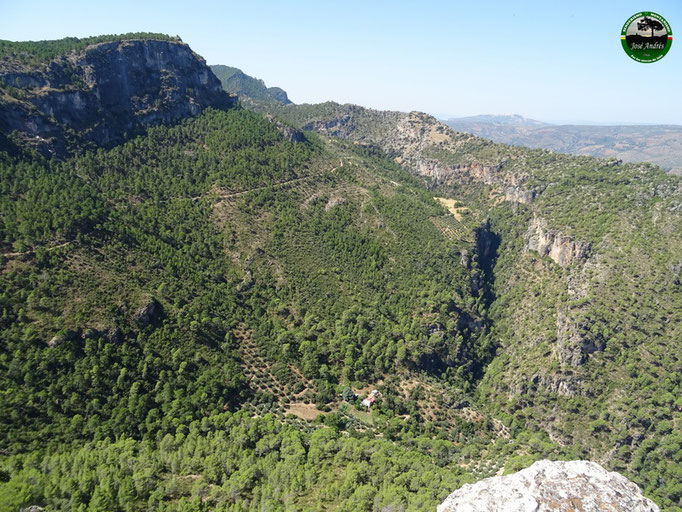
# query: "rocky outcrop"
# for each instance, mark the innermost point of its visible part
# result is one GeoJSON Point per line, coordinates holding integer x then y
{"type": "Point", "coordinates": [551, 486]}
{"type": "Point", "coordinates": [575, 341]}
{"type": "Point", "coordinates": [112, 334]}
{"type": "Point", "coordinates": [62, 337]}
{"type": "Point", "coordinates": [148, 313]}
{"type": "Point", "coordinates": [520, 195]}
{"type": "Point", "coordinates": [107, 91]}
{"type": "Point", "coordinates": [334, 202]}
{"type": "Point", "coordinates": [339, 127]}
{"type": "Point", "coordinates": [563, 384]}
{"type": "Point", "coordinates": [564, 250]}
{"type": "Point", "coordinates": [289, 132]}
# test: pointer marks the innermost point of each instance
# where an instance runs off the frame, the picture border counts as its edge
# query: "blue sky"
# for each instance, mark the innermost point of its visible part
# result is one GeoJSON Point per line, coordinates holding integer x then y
{"type": "Point", "coordinates": [556, 61]}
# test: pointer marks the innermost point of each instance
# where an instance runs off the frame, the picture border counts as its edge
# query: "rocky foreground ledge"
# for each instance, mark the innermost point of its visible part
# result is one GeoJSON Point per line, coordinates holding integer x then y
{"type": "Point", "coordinates": [551, 486]}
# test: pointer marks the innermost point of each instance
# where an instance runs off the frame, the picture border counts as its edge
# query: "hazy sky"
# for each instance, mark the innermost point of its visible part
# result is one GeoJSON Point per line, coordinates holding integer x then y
{"type": "Point", "coordinates": [556, 61]}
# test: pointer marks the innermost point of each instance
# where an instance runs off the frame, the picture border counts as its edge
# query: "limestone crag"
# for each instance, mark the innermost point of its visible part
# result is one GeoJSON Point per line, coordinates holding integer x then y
{"type": "Point", "coordinates": [551, 486]}
{"type": "Point", "coordinates": [97, 96]}
{"type": "Point", "coordinates": [564, 250]}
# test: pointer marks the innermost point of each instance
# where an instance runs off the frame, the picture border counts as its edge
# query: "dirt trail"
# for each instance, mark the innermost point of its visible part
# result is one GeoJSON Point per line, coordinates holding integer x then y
{"type": "Point", "coordinates": [230, 195]}
{"type": "Point", "coordinates": [30, 251]}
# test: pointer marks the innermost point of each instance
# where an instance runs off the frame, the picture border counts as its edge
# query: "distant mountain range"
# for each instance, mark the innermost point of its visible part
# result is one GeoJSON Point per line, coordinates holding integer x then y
{"type": "Point", "coordinates": [513, 120]}
{"type": "Point", "coordinates": [659, 144]}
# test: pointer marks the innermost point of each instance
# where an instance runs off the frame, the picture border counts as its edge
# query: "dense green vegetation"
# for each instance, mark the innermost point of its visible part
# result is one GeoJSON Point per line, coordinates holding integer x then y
{"type": "Point", "coordinates": [322, 261]}
{"type": "Point", "coordinates": [617, 309]}
{"type": "Point", "coordinates": [110, 237]}
{"type": "Point", "coordinates": [189, 321]}
{"type": "Point", "coordinates": [40, 52]}
{"type": "Point", "coordinates": [235, 462]}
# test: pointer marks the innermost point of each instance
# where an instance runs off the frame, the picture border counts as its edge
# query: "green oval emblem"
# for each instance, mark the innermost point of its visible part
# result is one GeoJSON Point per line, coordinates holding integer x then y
{"type": "Point", "coordinates": [646, 37]}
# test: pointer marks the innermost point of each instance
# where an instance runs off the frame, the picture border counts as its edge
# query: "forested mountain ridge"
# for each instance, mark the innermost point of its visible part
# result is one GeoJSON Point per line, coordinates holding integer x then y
{"type": "Point", "coordinates": [585, 289]}
{"type": "Point", "coordinates": [63, 96]}
{"type": "Point", "coordinates": [237, 82]}
{"type": "Point", "coordinates": [188, 301]}
{"type": "Point", "coordinates": [190, 319]}
{"type": "Point", "coordinates": [207, 276]}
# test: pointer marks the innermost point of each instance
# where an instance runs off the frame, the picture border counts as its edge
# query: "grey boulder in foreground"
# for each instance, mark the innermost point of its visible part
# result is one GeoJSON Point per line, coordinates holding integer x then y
{"type": "Point", "coordinates": [551, 486]}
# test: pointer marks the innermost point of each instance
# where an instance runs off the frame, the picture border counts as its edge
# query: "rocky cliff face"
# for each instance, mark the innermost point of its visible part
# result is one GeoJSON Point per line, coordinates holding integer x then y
{"type": "Point", "coordinates": [551, 486]}
{"type": "Point", "coordinates": [109, 90]}
{"type": "Point", "coordinates": [563, 250]}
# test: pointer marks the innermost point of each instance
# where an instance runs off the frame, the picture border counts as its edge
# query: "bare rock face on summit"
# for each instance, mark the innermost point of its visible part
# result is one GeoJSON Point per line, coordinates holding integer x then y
{"type": "Point", "coordinates": [98, 95]}
{"type": "Point", "coordinates": [551, 486]}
